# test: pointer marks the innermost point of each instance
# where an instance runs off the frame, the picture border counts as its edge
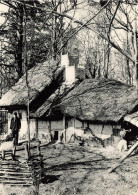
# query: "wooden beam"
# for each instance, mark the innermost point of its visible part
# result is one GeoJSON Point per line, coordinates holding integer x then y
{"type": "Point", "coordinates": [123, 157]}
{"type": "Point", "coordinates": [74, 127]}
{"type": "Point", "coordinates": [36, 121]}
{"type": "Point", "coordinates": [64, 127]}
{"type": "Point", "coordinates": [50, 130]}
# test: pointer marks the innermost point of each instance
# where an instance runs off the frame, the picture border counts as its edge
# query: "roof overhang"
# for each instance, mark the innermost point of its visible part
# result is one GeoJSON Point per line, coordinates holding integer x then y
{"type": "Point", "coordinates": [132, 118]}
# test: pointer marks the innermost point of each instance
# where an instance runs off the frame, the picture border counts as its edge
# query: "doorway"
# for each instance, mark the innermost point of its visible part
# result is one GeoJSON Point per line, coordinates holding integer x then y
{"type": "Point", "coordinates": [56, 135]}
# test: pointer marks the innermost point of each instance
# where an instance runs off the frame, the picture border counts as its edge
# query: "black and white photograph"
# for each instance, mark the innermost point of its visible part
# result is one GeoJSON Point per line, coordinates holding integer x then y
{"type": "Point", "coordinates": [68, 97]}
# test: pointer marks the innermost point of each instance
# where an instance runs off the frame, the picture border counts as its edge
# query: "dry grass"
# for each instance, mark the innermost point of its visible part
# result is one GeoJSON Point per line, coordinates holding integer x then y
{"type": "Point", "coordinates": [72, 169]}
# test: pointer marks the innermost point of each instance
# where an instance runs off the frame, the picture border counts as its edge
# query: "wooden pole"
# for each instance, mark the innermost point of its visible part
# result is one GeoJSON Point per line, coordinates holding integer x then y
{"type": "Point", "coordinates": [26, 150]}
{"type": "Point", "coordinates": [26, 77]}
{"type": "Point", "coordinates": [64, 127]}
{"type": "Point", "coordinates": [36, 122]}
{"type": "Point", "coordinates": [74, 128]}
{"type": "Point", "coordinates": [3, 155]}
{"type": "Point", "coordinates": [123, 157]}
{"type": "Point", "coordinates": [38, 148]}
{"type": "Point", "coordinates": [49, 128]}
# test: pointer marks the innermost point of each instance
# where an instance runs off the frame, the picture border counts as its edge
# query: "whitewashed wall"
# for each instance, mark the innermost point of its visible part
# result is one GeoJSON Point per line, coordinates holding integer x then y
{"type": "Point", "coordinates": [43, 130]}
{"type": "Point", "coordinates": [24, 126]}
{"type": "Point", "coordinates": [57, 125]}
{"type": "Point", "coordinates": [102, 131]}
{"type": "Point", "coordinates": [9, 122]}
{"type": "Point", "coordinates": [33, 128]}
{"type": "Point", "coordinates": [78, 124]}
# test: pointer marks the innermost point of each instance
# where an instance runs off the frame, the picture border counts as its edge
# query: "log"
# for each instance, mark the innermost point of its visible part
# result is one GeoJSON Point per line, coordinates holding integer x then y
{"type": "Point", "coordinates": [10, 162]}
{"type": "Point", "coordinates": [18, 178]}
{"type": "Point", "coordinates": [3, 155]}
{"type": "Point", "coordinates": [27, 150]}
{"type": "Point", "coordinates": [123, 157]}
{"type": "Point", "coordinates": [15, 169]}
{"type": "Point", "coordinates": [9, 166]}
{"type": "Point", "coordinates": [9, 172]}
{"type": "Point", "coordinates": [17, 182]}
{"type": "Point", "coordinates": [38, 150]}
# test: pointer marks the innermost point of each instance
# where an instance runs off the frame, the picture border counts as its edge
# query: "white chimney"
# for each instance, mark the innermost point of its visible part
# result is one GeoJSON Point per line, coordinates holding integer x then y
{"type": "Point", "coordinates": [69, 70]}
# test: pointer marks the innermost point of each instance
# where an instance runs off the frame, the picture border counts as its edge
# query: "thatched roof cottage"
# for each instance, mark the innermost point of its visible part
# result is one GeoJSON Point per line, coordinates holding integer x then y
{"type": "Point", "coordinates": [42, 80]}
{"type": "Point", "coordinates": [59, 100]}
{"type": "Point", "coordinates": [99, 104]}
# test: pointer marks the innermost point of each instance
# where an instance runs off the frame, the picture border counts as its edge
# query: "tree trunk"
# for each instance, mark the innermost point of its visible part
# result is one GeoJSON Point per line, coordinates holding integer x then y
{"type": "Point", "coordinates": [20, 44]}
{"type": "Point", "coordinates": [26, 77]}
{"type": "Point", "coordinates": [127, 61]}
{"type": "Point", "coordinates": [54, 41]}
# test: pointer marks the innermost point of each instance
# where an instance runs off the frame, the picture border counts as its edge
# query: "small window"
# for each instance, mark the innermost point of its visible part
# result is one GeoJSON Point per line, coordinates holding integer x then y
{"type": "Point", "coordinates": [116, 132]}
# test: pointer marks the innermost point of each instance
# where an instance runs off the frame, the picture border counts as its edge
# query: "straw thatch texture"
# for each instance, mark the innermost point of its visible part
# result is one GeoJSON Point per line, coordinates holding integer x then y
{"type": "Point", "coordinates": [39, 77]}
{"type": "Point", "coordinates": [132, 118]}
{"type": "Point", "coordinates": [45, 109]}
{"type": "Point", "coordinates": [99, 100]}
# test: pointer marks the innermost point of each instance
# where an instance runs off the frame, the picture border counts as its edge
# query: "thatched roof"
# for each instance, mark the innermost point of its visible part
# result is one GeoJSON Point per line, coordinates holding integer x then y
{"type": "Point", "coordinates": [98, 100]}
{"type": "Point", "coordinates": [39, 77]}
{"type": "Point", "coordinates": [132, 118]}
{"type": "Point", "coordinates": [45, 109]}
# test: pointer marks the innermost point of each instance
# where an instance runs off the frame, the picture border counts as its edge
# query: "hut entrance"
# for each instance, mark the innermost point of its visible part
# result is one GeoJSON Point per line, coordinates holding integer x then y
{"type": "Point", "coordinates": [56, 135]}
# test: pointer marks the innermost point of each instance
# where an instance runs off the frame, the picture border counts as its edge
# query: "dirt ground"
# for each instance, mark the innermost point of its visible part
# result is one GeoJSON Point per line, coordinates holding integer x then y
{"type": "Point", "coordinates": [71, 169]}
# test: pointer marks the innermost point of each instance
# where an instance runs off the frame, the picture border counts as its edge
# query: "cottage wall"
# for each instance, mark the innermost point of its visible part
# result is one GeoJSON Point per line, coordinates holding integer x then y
{"type": "Point", "coordinates": [74, 123]}
{"type": "Point", "coordinates": [23, 116]}
{"type": "Point", "coordinates": [9, 121]}
{"type": "Point", "coordinates": [24, 126]}
{"type": "Point", "coordinates": [23, 134]}
{"type": "Point", "coordinates": [102, 131]}
{"type": "Point", "coordinates": [43, 130]}
{"type": "Point", "coordinates": [55, 129]}
{"type": "Point", "coordinates": [57, 125]}
{"type": "Point", "coordinates": [46, 129]}
{"type": "Point", "coordinates": [116, 133]}
{"type": "Point", "coordinates": [78, 124]}
{"type": "Point", "coordinates": [71, 124]}
{"type": "Point", "coordinates": [33, 128]}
